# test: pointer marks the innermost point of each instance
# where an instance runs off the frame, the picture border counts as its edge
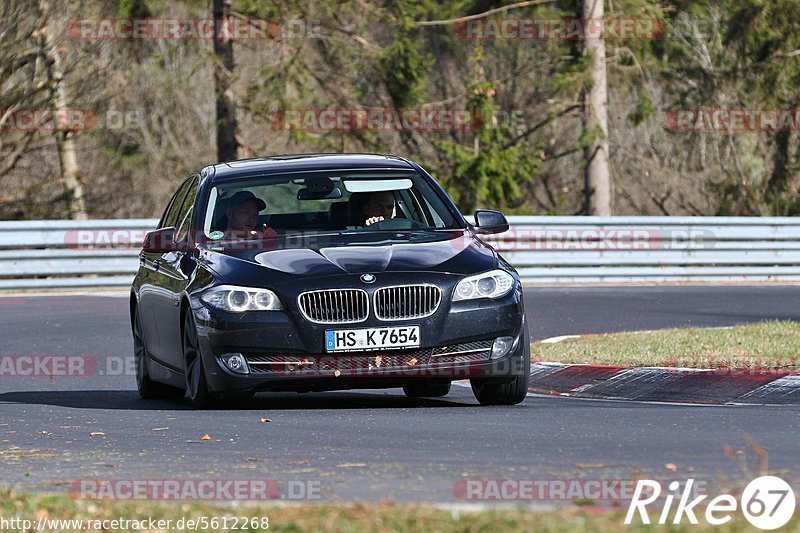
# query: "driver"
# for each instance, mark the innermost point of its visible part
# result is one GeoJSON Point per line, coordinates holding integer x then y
{"type": "Point", "coordinates": [379, 206]}
{"type": "Point", "coordinates": [242, 213]}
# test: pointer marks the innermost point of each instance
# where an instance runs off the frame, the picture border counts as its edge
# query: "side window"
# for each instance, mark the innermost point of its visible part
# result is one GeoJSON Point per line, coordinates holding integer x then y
{"type": "Point", "coordinates": [185, 214]}
{"type": "Point", "coordinates": [164, 214]}
{"type": "Point", "coordinates": [170, 217]}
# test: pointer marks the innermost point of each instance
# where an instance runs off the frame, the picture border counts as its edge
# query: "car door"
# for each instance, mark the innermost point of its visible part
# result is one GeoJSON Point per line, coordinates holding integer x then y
{"type": "Point", "coordinates": [151, 293]}
{"type": "Point", "coordinates": [173, 276]}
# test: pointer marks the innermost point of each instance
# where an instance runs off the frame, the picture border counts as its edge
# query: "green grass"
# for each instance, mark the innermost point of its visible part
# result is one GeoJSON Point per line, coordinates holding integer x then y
{"type": "Point", "coordinates": [356, 517]}
{"type": "Point", "coordinates": [765, 345]}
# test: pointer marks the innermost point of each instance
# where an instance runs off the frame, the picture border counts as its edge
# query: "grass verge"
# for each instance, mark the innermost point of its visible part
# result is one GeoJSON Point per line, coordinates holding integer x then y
{"type": "Point", "coordinates": [346, 517]}
{"type": "Point", "coordinates": [764, 345]}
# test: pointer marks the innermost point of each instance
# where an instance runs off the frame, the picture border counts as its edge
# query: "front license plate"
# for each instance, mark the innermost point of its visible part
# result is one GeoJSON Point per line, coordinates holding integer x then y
{"type": "Point", "coordinates": [371, 338]}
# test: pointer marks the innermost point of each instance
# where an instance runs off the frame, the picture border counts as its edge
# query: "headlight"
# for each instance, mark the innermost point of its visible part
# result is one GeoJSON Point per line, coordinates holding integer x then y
{"type": "Point", "coordinates": [492, 284]}
{"type": "Point", "coordinates": [241, 299]}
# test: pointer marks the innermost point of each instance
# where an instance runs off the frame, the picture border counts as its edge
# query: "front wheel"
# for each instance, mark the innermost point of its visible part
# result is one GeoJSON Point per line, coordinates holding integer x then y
{"type": "Point", "coordinates": [196, 384]}
{"type": "Point", "coordinates": [509, 393]}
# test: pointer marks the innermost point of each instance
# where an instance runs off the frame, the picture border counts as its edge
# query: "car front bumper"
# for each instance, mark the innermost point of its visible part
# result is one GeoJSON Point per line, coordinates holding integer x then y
{"type": "Point", "coordinates": [286, 352]}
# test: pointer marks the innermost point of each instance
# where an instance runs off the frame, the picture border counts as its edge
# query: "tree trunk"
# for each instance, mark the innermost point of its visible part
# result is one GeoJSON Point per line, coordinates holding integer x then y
{"type": "Point", "coordinates": [597, 186]}
{"type": "Point", "coordinates": [779, 178]}
{"type": "Point", "coordinates": [223, 69]}
{"type": "Point", "coordinates": [65, 139]}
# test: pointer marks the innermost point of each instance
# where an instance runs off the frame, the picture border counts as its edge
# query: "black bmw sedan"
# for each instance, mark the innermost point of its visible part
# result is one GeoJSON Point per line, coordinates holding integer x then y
{"type": "Point", "coordinates": [324, 272]}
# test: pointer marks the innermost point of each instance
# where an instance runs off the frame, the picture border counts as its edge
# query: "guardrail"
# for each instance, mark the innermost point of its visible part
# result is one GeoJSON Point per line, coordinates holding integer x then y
{"type": "Point", "coordinates": [66, 254]}
{"type": "Point", "coordinates": [103, 253]}
{"type": "Point", "coordinates": [652, 249]}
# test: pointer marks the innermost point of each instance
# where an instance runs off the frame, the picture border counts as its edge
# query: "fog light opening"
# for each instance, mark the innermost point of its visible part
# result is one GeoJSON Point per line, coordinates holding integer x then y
{"type": "Point", "coordinates": [501, 347]}
{"type": "Point", "coordinates": [236, 363]}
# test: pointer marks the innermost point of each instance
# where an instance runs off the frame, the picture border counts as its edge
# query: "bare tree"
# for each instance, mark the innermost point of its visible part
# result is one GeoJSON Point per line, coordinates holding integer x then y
{"type": "Point", "coordinates": [597, 186]}
{"type": "Point", "coordinates": [60, 101]}
{"type": "Point", "coordinates": [19, 82]}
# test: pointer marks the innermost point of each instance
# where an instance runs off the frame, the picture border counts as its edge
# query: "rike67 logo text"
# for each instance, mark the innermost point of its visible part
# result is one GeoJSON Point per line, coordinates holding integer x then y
{"type": "Point", "coordinates": [767, 502]}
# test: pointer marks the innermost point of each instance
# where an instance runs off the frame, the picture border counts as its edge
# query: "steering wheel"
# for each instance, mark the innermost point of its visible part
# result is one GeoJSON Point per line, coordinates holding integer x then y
{"type": "Point", "coordinates": [396, 224]}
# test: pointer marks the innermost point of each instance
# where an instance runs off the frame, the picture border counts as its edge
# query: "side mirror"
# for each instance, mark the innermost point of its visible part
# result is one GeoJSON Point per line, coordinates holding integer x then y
{"type": "Point", "coordinates": [487, 222]}
{"type": "Point", "coordinates": [161, 241]}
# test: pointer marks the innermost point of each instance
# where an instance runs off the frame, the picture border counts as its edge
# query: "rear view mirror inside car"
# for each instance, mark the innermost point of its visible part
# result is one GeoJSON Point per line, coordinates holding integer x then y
{"type": "Point", "coordinates": [309, 194]}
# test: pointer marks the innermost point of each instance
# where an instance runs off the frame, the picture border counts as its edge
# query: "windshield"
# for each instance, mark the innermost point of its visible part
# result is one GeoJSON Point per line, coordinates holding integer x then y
{"type": "Point", "coordinates": [320, 202]}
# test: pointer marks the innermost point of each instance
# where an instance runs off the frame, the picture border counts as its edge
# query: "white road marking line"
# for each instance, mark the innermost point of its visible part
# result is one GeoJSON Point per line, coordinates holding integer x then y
{"type": "Point", "coordinates": [553, 340]}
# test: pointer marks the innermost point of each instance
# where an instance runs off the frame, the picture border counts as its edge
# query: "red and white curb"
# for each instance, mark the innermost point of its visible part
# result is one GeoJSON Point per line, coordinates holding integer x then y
{"type": "Point", "coordinates": [663, 384]}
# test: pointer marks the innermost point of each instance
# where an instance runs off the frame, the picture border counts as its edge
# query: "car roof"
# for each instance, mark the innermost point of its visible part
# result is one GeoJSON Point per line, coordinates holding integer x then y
{"type": "Point", "coordinates": [307, 163]}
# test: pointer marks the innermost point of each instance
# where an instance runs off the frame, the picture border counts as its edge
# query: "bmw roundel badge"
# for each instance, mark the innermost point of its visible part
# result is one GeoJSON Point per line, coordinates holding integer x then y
{"type": "Point", "coordinates": [367, 278]}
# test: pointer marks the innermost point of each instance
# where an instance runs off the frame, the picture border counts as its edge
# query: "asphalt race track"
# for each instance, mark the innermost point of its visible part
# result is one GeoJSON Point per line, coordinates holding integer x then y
{"type": "Point", "coordinates": [379, 445]}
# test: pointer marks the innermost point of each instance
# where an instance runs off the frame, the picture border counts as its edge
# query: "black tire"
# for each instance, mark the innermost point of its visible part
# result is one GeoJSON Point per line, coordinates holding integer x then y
{"type": "Point", "coordinates": [427, 390]}
{"type": "Point", "coordinates": [148, 389]}
{"type": "Point", "coordinates": [509, 393]}
{"type": "Point", "coordinates": [196, 384]}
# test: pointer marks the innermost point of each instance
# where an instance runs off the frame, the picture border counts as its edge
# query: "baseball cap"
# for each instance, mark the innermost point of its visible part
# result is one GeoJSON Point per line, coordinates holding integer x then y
{"type": "Point", "coordinates": [246, 196]}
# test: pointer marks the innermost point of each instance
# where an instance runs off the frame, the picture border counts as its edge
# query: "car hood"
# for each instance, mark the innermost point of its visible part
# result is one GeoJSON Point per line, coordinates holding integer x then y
{"type": "Point", "coordinates": [287, 258]}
